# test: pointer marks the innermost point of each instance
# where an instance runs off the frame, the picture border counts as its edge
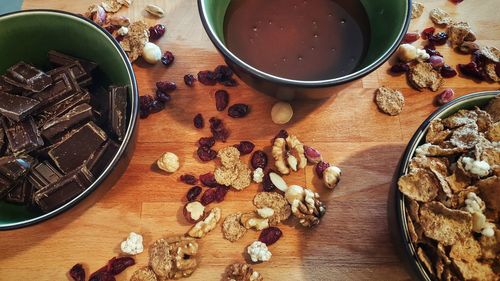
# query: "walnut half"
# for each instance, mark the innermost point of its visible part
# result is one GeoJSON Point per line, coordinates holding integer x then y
{"type": "Point", "coordinates": [310, 210]}
{"type": "Point", "coordinates": [203, 227]}
{"type": "Point", "coordinates": [242, 272]}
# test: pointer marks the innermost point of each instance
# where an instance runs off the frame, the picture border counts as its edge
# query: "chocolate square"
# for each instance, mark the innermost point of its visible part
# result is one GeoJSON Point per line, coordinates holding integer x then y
{"type": "Point", "coordinates": [16, 107]}
{"type": "Point", "coordinates": [23, 136]}
{"type": "Point", "coordinates": [13, 167]}
{"type": "Point", "coordinates": [20, 194]}
{"type": "Point", "coordinates": [118, 110]}
{"type": "Point", "coordinates": [64, 85]}
{"type": "Point", "coordinates": [62, 107]}
{"type": "Point", "coordinates": [100, 159]}
{"type": "Point", "coordinates": [61, 59]}
{"type": "Point", "coordinates": [30, 77]}
{"type": "Point", "coordinates": [43, 174]}
{"type": "Point", "coordinates": [54, 128]}
{"type": "Point", "coordinates": [5, 186]}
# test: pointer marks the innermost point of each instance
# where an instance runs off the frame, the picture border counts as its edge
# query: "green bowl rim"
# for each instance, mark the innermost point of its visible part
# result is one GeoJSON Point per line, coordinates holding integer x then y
{"type": "Point", "coordinates": [450, 107]}
{"type": "Point", "coordinates": [303, 83]}
{"type": "Point", "coordinates": [128, 134]}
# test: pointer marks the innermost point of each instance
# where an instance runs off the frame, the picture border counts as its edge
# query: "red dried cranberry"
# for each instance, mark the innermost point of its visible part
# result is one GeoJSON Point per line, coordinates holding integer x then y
{"type": "Point", "coordinates": [267, 184]}
{"type": "Point", "coordinates": [208, 180]}
{"type": "Point", "coordinates": [162, 96]}
{"type": "Point", "coordinates": [436, 61]}
{"type": "Point", "coordinates": [102, 276]}
{"type": "Point", "coordinates": [206, 154]}
{"type": "Point", "coordinates": [429, 31]}
{"type": "Point", "coordinates": [166, 86]}
{"type": "Point", "coordinates": [192, 193]}
{"type": "Point", "coordinates": [479, 59]}
{"type": "Point", "coordinates": [189, 80]}
{"type": "Point", "coordinates": [208, 141]}
{"type": "Point", "coordinates": [118, 265]}
{"type": "Point", "coordinates": [119, 38]}
{"type": "Point", "coordinates": [198, 121]}
{"type": "Point", "coordinates": [245, 147]}
{"type": "Point", "coordinates": [77, 272]}
{"type": "Point", "coordinates": [438, 38]}
{"type": "Point", "coordinates": [220, 193]}
{"type": "Point", "coordinates": [155, 32]}
{"type": "Point", "coordinates": [321, 167]}
{"type": "Point", "coordinates": [208, 196]}
{"type": "Point", "coordinates": [223, 72]}
{"type": "Point", "coordinates": [456, 1]}
{"type": "Point", "coordinates": [445, 97]}
{"type": "Point", "coordinates": [229, 82]}
{"type": "Point", "coordinates": [270, 235]}
{"type": "Point", "coordinates": [471, 69]}
{"type": "Point", "coordinates": [238, 110]}
{"type": "Point", "coordinates": [447, 71]}
{"type": "Point", "coordinates": [218, 130]}
{"type": "Point", "coordinates": [433, 52]}
{"type": "Point", "coordinates": [399, 68]}
{"type": "Point", "coordinates": [167, 58]}
{"type": "Point", "coordinates": [207, 77]}
{"type": "Point", "coordinates": [259, 159]}
{"type": "Point", "coordinates": [157, 106]}
{"type": "Point", "coordinates": [189, 179]}
{"type": "Point", "coordinates": [411, 37]}
{"type": "Point", "coordinates": [112, 28]}
{"type": "Point", "coordinates": [221, 100]}
{"type": "Point", "coordinates": [145, 102]}
{"type": "Point", "coordinates": [144, 113]}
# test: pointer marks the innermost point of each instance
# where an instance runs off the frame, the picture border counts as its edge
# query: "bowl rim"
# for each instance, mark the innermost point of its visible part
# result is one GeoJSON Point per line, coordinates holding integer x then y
{"type": "Point", "coordinates": [130, 128]}
{"type": "Point", "coordinates": [304, 83]}
{"type": "Point", "coordinates": [449, 108]}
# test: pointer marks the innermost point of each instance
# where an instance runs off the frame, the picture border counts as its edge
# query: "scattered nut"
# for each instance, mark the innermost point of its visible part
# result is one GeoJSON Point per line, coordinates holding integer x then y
{"type": "Point", "coordinates": [281, 113]}
{"type": "Point", "coordinates": [279, 154]}
{"type": "Point", "coordinates": [278, 181]}
{"type": "Point", "coordinates": [491, 53]}
{"type": "Point", "coordinates": [296, 150]}
{"type": "Point", "coordinates": [168, 162]}
{"type": "Point", "coordinates": [173, 257]}
{"type": "Point", "coordinates": [275, 201]}
{"type": "Point", "coordinates": [310, 210]}
{"type": "Point", "coordinates": [97, 14]}
{"type": "Point", "coordinates": [445, 97]}
{"type": "Point", "coordinates": [252, 220]}
{"type": "Point", "coordinates": [468, 47]}
{"type": "Point", "coordinates": [312, 155]}
{"type": "Point", "coordinates": [111, 6]}
{"type": "Point", "coordinates": [440, 17]}
{"type": "Point", "coordinates": [331, 177]}
{"type": "Point", "coordinates": [417, 9]}
{"type": "Point", "coordinates": [201, 228]}
{"type": "Point", "coordinates": [258, 251]}
{"type": "Point", "coordinates": [242, 272]}
{"type": "Point", "coordinates": [151, 53]}
{"type": "Point", "coordinates": [265, 212]}
{"type": "Point", "coordinates": [389, 101]}
{"type": "Point", "coordinates": [155, 10]}
{"type": "Point", "coordinates": [258, 175]}
{"type": "Point", "coordinates": [133, 244]}
{"type": "Point", "coordinates": [193, 211]}
{"type": "Point", "coordinates": [408, 52]}
{"type": "Point", "coordinates": [294, 192]}
{"type": "Point", "coordinates": [119, 21]}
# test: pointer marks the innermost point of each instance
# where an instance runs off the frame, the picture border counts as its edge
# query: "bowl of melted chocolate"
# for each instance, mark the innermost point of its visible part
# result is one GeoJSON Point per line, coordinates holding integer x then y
{"type": "Point", "coordinates": [301, 48]}
{"type": "Point", "coordinates": [68, 114]}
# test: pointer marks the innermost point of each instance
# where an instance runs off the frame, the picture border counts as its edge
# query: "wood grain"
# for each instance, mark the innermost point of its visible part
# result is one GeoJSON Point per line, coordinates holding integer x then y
{"type": "Point", "coordinates": [352, 242]}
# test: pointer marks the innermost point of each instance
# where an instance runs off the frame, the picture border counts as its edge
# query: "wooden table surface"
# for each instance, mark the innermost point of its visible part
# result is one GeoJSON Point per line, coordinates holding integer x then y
{"type": "Point", "coordinates": [353, 240]}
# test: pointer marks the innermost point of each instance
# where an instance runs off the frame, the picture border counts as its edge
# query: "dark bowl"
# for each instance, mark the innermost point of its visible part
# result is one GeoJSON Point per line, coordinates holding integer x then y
{"type": "Point", "coordinates": [28, 36]}
{"type": "Point", "coordinates": [389, 20]}
{"type": "Point", "coordinates": [396, 211]}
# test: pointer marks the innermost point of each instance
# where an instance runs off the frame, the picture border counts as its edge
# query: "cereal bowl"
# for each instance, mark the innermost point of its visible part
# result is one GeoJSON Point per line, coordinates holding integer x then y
{"type": "Point", "coordinates": [399, 218]}
{"type": "Point", "coordinates": [28, 36]}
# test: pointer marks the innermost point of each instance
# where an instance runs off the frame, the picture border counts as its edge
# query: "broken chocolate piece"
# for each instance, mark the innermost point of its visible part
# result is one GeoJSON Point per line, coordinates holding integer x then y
{"type": "Point", "coordinates": [5, 186]}
{"type": "Point", "coordinates": [76, 116]}
{"type": "Point", "coordinates": [23, 136]}
{"type": "Point", "coordinates": [20, 194]}
{"type": "Point", "coordinates": [98, 162]}
{"type": "Point", "coordinates": [30, 77]}
{"type": "Point", "coordinates": [64, 85]}
{"type": "Point", "coordinates": [2, 141]}
{"type": "Point", "coordinates": [118, 110]}
{"type": "Point", "coordinates": [61, 59]}
{"type": "Point", "coordinates": [43, 174]}
{"type": "Point", "coordinates": [77, 147]}
{"type": "Point", "coordinates": [62, 107]}
{"type": "Point", "coordinates": [13, 167]}
{"type": "Point", "coordinates": [77, 72]}
{"type": "Point", "coordinates": [16, 107]}
{"type": "Point", "coordinates": [63, 190]}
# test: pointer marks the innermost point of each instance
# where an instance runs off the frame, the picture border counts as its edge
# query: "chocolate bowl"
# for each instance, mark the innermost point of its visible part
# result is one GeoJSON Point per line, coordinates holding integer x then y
{"type": "Point", "coordinates": [28, 36]}
{"type": "Point", "coordinates": [396, 207]}
{"type": "Point", "coordinates": [388, 21]}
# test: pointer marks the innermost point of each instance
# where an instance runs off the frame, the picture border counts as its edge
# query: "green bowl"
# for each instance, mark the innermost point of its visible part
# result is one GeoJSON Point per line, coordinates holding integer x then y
{"type": "Point", "coordinates": [397, 214]}
{"type": "Point", "coordinates": [388, 19]}
{"type": "Point", "coordinates": [28, 36]}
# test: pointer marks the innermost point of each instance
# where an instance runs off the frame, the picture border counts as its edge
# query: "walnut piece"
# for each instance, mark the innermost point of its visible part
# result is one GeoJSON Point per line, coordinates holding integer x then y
{"type": "Point", "coordinates": [242, 272]}
{"type": "Point", "coordinates": [297, 150]}
{"type": "Point", "coordinates": [417, 9]}
{"type": "Point", "coordinates": [253, 220]}
{"type": "Point", "coordinates": [309, 211]}
{"type": "Point", "coordinates": [203, 227]}
{"type": "Point", "coordinates": [279, 154]}
{"type": "Point", "coordinates": [173, 257]}
{"type": "Point", "coordinates": [288, 154]}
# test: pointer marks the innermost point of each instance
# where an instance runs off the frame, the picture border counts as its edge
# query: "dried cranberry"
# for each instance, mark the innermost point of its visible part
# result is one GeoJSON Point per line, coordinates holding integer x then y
{"type": "Point", "coordinates": [155, 32]}
{"type": "Point", "coordinates": [157, 106]}
{"type": "Point", "coordinates": [206, 154]}
{"type": "Point", "coordinates": [267, 184]}
{"type": "Point", "coordinates": [321, 167]}
{"type": "Point", "coordinates": [208, 180]}
{"type": "Point", "coordinates": [411, 37]}
{"type": "Point", "coordinates": [189, 179]}
{"type": "Point", "coordinates": [207, 77]}
{"type": "Point", "coordinates": [433, 52]}
{"type": "Point", "coordinates": [438, 38]}
{"type": "Point", "coordinates": [102, 276]}
{"type": "Point", "coordinates": [229, 82]}
{"type": "Point", "coordinates": [436, 61]}
{"type": "Point", "coordinates": [166, 86]}
{"type": "Point", "coordinates": [429, 31]}
{"type": "Point", "coordinates": [281, 134]}
{"type": "Point", "coordinates": [447, 71]}
{"type": "Point", "coordinates": [270, 235]}
{"type": "Point", "coordinates": [189, 80]}
{"type": "Point", "coordinates": [259, 159]}
{"type": "Point", "coordinates": [208, 141]}
{"type": "Point", "coordinates": [145, 102]}
{"type": "Point", "coordinates": [198, 121]}
{"type": "Point", "coordinates": [471, 69]}
{"type": "Point", "coordinates": [77, 272]}
{"type": "Point", "coordinates": [221, 100]}
{"type": "Point", "coordinates": [245, 147]}
{"type": "Point", "coordinates": [445, 97]}
{"type": "Point", "coordinates": [399, 68]}
{"type": "Point", "coordinates": [218, 129]}
{"type": "Point", "coordinates": [119, 38]}
{"type": "Point", "coordinates": [208, 196]}
{"type": "Point", "coordinates": [192, 193]}
{"type": "Point", "coordinates": [456, 1]}
{"type": "Point", "coordinates": [112, 28]}
{"type": "Point", "coordinates": [118, 265]}
{"type": "Point", "coordinates": [144, 113]}
{"type": "Point", "coordinates": [238, 110]}
{"type": "Point", "coordinates": [220, 193]}
{"type": "Point", "coordinates": [162, 96]}
{"type": "Point", "coordinates": [223, 72]}
{"type": "Point", "coordinates": [479, 59]}
{"type": "Point", "coordinates": [167, 58]}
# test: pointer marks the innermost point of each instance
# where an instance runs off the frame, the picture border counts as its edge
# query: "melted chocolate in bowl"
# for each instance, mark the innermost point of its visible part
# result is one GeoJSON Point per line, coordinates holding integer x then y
{"type": "Point", "coordinates": [297, 39]}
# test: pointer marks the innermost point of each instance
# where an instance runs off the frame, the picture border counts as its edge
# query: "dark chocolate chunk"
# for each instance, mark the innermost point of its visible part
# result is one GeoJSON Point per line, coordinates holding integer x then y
{"type": "Point", "coordinates": [15, 167]}
{"type": "Point", "coordinates": [100, 159]}
{"type": "Point", "coordinates": [5, 186]}
{"type": "Point", "coordinates": [43, 174]}
{"type": "Point", "coordinates": [20, 194]}
{"type": "Point", "coordinates": [16, 107]}
{"type": "Point", "coordinates": [62, 107]}
{"type": "Point", "coordinates": [80, 114]}
{"type": "Point", "coordinates": [61, 59]}
{"type": "Point", "coordinates": [64, 190]}
{"type": "Point", "coordinates": [64, 85]}
{"type": "Point", "coordinates": [118, 110]}
{"type": "Point", "coordinates": [76, 147]}
{"type": "Point", "coordinates": [77, 71]}
{"type": "Point", "coordinates": [2, 141]}
{"type": "Point", "coordinates": [30, 77]}
{"type": "Point", "coordinates": [23, 136]}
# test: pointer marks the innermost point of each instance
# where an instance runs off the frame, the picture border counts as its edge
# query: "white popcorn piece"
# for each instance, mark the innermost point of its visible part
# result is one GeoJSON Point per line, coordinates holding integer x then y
{"type": "Point", "coordinates": [258, 251]}
{"type": "Point", "coordinates": [133, 244]}
{"type": "Point", "coordinates": [258, 175]}
{"type": "Point", "coordinates": [479, 168]}
{"type": "Point", "coordinates": [265, 212]}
